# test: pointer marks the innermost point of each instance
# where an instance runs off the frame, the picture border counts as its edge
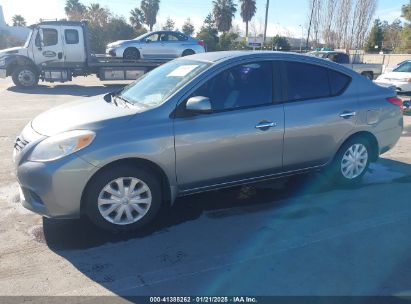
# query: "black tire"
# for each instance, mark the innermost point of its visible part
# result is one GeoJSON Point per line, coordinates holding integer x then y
{"type": "Point", "coordinates": [131, 54]}
{"type": "Point", "coordinates": [368, 75]}
{"type": "Point", "coordinates": [25, 77]}
{"type": "Point", "coordinates": [335, 172]}
{"type": "Point", "coordinates": [188, 53]}
{"type": "Point", "coordinates": [103, 178]}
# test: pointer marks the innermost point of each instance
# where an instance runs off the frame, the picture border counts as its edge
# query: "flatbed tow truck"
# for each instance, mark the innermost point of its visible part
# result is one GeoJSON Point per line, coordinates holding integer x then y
{"type": "Point", "coordinates": [57, 51]}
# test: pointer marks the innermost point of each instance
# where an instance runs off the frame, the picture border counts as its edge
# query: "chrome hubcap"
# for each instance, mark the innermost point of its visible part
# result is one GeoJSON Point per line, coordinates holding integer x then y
{"type": "Point", "coordinates": [26, 78]}
{"type": "Point", "coordinates": [124, 200]}
{"type": "Point", "coordinates": [354, 161]}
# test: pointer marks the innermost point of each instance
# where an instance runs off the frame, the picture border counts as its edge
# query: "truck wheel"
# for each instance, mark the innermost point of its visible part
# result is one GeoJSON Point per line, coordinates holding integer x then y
{"type": "Point", "coordinates": [25, 77]}
{"type": "Point", "coordinates": [188, 53]}
{"type": "Point", "coordinates": [131, 54]}
{"type": "Point", "coordinates": [368, 75]}
{"type": "Point", "coordinates": [123, 198]}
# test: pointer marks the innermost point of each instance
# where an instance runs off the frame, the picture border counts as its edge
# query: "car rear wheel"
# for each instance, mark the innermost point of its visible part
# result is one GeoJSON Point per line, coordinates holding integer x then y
{"type": "Point", "coordinates": [131, 54]}
{"type": "Point", "coordinates": [25, 77]}
{"type": "Point", "coordinates": [351, 161]}
{"type": "Point", "coordinates": [123, 198]}
{"type": "Point", "coordinates": [188, 53]}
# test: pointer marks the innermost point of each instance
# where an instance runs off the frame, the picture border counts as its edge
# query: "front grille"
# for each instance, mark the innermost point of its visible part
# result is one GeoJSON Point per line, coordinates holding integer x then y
{"type": "Point", "coordinates": [20, 143]}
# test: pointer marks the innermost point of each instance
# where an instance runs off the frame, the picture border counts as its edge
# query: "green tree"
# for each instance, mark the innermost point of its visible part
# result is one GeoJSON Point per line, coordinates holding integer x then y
{"type": "Point", "coordinates": [209, 33]}
{"type": "Point", "coordinates": [169, 25]}
{"type": "Point", "coordinates": [188, 27]}
{"type": "Point", "coordinates": [97, 15]}
{"type": "Point", "coordinates": [406, 11]}
{"type": "Point", "coordinates": [18, 20]}
{"type": "Point", "coordinates": [75, 10]}
{"type": "Point", "coordinates": [392, 35]}
{"type": "Point", "coordinates": [227, 41]}
{"type": "Point", "coordinates": [375, 38]}
{"type": "Point", "coordinates": [137, 18]}
{"type": "Point", "coordinates": [248, 10]}
{"type": "Point", "coordinates": [150, 9]}
{"type": "Point", "coordinates": [224, 11]}
{"type": "Point", "coordinates": [280, 43]}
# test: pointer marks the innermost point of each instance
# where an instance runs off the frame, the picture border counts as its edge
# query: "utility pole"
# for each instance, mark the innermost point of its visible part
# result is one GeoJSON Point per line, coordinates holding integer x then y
{"type": "Point", "coordinates": [266, 17]}
{"type": "Point", "coordinates": [309, 26]}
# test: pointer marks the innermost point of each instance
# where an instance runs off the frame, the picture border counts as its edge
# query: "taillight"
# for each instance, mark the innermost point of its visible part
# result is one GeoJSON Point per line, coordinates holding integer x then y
{"type": "Point", "coordinates": [201, 42]}
{"type": "Point", "coordinates": [396, 101]}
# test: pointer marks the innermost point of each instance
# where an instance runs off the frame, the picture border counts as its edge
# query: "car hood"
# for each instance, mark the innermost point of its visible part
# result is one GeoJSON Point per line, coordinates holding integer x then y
{"type": "Point", "coordinates": [394, 76]}
{"type": "Point", "coordinates": [91, 114]}
{"type": "Point", "coordinates": [119, 42]}
{"type": "Point", "coordinates": [14, 51]}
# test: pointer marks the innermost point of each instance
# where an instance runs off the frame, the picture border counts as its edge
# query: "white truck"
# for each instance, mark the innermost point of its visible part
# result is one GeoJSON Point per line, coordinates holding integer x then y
{"type": "Point", "coordinates": [57, 51]}
{"type": "Point", "coordinates": [369, 70]}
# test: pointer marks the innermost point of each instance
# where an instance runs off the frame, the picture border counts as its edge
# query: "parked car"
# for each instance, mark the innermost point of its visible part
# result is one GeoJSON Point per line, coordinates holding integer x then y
{"type": "Point", "coordinates": [199, 123]}
{"type": "Point", "coordinates": [368, 70]}
{"type": "Point", "coordinates": [400, 77]}
{"type": "Point", "coordinates": [156, 45]}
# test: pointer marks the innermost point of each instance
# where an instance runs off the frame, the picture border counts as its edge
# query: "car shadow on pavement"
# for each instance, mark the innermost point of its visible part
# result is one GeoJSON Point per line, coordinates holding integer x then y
{"type": "Point", "coordinates": [82, 234]}
{"type": "Point", "coordinates": [127, 264]}
{"type": "Point", "coordinates": [69, 89]}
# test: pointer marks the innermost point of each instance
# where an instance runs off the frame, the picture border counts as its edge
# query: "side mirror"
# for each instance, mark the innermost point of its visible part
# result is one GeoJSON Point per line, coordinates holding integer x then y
{"type": "Point", "coordinates": [147, 40]}
{"type": "Point", "coordinates": [199, 105]}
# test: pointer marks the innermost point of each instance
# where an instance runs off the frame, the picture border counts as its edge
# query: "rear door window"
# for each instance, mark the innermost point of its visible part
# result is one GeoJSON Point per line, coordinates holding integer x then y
{"type": "Point", "coordinates": [71, 36]}
{"type": "Point", "coordinates": [308, 81]}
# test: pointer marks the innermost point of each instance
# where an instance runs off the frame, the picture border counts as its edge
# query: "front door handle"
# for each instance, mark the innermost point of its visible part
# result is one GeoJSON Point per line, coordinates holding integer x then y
{"type": "Point", "coordinates": [347, 115]}
{"type": "Point", "coordinates": [265, 125]}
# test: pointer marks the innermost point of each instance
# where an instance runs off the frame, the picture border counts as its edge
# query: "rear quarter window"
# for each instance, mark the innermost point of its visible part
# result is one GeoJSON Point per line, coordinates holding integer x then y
{"type": "Point", "coordinates": [338, 82]}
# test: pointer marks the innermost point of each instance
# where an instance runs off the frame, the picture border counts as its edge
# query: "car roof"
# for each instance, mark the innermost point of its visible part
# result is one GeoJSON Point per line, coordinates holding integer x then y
{"type": "Point", "coordinates": [228, 55]}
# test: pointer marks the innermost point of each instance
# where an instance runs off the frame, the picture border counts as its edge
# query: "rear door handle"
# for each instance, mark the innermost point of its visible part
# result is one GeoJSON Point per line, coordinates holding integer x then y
{"type": "Point", "coordinates": [347, 115]}
{"type": "Point", "coordinates": [265, 125]}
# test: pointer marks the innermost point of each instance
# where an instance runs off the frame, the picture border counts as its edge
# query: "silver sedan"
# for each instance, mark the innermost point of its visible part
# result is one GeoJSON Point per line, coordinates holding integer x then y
{"type": "Point", "coordinates": [201, 123]}
{"type": "Point", "coordinates": [156, 45]}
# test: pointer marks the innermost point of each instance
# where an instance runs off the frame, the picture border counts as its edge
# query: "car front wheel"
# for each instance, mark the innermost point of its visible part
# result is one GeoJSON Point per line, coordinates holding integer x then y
{"type": "Point", "coordinates": [123, 199]}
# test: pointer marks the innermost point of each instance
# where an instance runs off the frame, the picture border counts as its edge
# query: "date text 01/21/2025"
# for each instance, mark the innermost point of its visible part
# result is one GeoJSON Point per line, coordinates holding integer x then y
{"type": "Point", "coordinates": [239, 299]}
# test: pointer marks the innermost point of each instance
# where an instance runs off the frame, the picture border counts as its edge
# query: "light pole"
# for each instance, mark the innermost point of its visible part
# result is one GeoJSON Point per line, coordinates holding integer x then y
{"type": "Point", "coordinates": [266, 17]}
{"type": "Point", "coordinates": [302, 37]}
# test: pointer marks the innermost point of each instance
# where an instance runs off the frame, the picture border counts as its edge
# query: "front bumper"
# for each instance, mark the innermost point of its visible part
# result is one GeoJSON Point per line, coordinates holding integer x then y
{"type": "Point", "coordinates": [54, 189]}
{"type": "Point", "coordinates": [3, 73]}
{"type": "Point", "coordinates": [111, 52]}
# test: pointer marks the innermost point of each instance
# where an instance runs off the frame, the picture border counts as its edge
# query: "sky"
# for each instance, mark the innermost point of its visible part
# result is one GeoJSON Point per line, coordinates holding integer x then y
{"type": "Point", "coordinates": [284, 16]}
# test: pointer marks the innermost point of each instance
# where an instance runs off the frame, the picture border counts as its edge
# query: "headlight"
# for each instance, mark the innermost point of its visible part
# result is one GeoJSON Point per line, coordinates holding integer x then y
{"type": "Point", "coordinates": [61, 145]}
{"type": "Point", "coordinates": [114, 46]}
{"type": "Point", "coordinates": [2, 62]}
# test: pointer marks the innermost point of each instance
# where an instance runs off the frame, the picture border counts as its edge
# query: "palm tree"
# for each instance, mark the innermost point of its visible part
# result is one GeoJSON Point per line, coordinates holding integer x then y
{"type": "Point", "coordinates": [248, 9]}
{"type": "Point", "coordinates": [137, 18]}
{"type": "Point", "coordinates": [18, 20]}
{"type": "Point", "coordinates": [97, 15]}
{"type": "Point", "coordinates": [74, 9]}
{"type": "Point", "coordinates": [150, 9]}
{"type": "Point", "coordinates": [224, 11]}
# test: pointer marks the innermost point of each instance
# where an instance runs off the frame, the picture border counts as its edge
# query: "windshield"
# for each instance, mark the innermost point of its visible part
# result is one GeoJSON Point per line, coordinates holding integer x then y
{"type": "Point", "coordinates": [405, 67]}
{"type": "Point", "coordinates": [26, 44]}
{"type": "Point", "coordinates": [142, 36]}
{"type": "Point", "coordinates": [155, 87]}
